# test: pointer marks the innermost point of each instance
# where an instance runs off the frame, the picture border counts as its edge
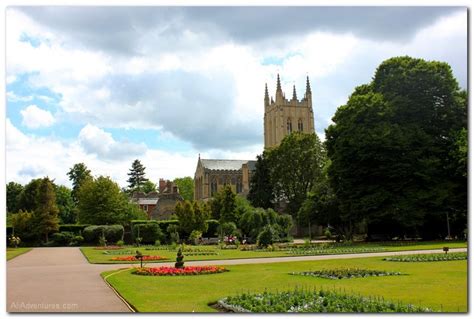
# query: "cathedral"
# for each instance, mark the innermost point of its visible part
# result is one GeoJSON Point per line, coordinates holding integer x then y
{"type": "Point", "coordinates": [281, 117]}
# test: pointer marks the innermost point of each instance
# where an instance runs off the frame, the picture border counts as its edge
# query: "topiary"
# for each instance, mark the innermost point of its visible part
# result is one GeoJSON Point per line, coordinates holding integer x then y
{"type": "Point", "coordinates": [179, 259]}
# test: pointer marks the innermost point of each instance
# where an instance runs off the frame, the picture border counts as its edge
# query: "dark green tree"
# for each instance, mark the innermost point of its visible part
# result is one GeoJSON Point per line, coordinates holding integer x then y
{"type": "Point", "coordinates": [186, 187]}
{"type": "Point", "coordinates": [390, 148]}
{"type": "Point", "coordinates": [77, 175]}
{"type": "Point", "coordinates": [66, 205]}
{"type": "Point", "coordinates": [28, 198]}
{"type": "Point", "coordinates": [185, 213]}
{"type": "Point", "coordinates": [261, 192]}
{"type": "Point", "coordinates": [228, 205]}
{"type": "Point", "coordinates": [137, 176]}
{"type": "Point", "coordinates": [13, 195]}
{"type": "Point", "coordinates": [295, 165]}
{"type": "Point", "coordinates": [101, 202]}
{"type": "Point", "coordinates": [45, 215]}
{"type": "Point", "coordinates": [148, 187]}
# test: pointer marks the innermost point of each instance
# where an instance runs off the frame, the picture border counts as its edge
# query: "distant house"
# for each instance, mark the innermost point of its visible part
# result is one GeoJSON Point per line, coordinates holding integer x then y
{"type": "Point", "coordinates": [159, 206]}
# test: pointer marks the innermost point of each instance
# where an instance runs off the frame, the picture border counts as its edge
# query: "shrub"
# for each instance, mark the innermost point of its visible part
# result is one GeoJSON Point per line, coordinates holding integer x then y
{"type": "Point", "coordinates": [194, 236]}
{"type": "Point", "coordinates": [148, 233]}
{"type": "Point", "coordinates": [228, 229]}
{"type": "Point", "coordinates": [212, 228]}
{"type": "Point", "coordinates": [172, 230]}
{"type": "Point", "coordinates": [76, 241]}
{"type": "Point", "coordinates": [73, 228]}
{"type": "Point", "coordinates": [120, 243]}
{"type": "Point", "coordinates": [62, 238]}
{"type": "Point", "coordinates": [267, 236]}
{"type": "Point", "coordinates": [112, 233]}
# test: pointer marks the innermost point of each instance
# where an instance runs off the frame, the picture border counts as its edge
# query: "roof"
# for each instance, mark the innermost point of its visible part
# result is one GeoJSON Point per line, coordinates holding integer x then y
{"type": "Point", "coordinates": [147, 201]}
{"type": "Point", "coordinates": [251, 165]}
{"type": "Point", "coordinates": [217, 164]}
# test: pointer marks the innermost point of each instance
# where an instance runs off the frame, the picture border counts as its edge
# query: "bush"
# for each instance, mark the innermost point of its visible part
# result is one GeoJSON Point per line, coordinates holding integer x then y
{"type": "Point", "coordinates": [212, 228]}
{"type": "Point", "coordinates": [267, 236]}
{"type": "Point", "coordinates": [172, 231]}
{"type": "Point", "coordinates": [228, 229]}
{"type": "Point", "coordinates": [194, 237]}
{"type": "Point", "coordinates": [76, 241]}
{"type": "Point", "coordinates": [73, 228]}
{"type": "Point", "coordinates": [149, 233]}
{"type": "Point", "coordinates": [62, 238]}
{"type": "Point", "coordinates": [120, 243]}
{"type": "Point", "coordinates": [112, 233]}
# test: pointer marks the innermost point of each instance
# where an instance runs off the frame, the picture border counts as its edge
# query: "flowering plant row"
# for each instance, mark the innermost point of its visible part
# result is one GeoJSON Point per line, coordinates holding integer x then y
{"type": "Point", "coordinates": [117, 252]}
{"type": "Point", "coordinates": [312, 301]}
{"type": "Point", "coordinates": [204, 253]}
{"type": "Point", "coordinates": [133, 258]}
{"type": "Point", "coordinates": [185, 271]}
{"type": "Point", "coordinates": [347, 273]}
{"type": "Point", "coordinates": [428, 257]}
{"type": "Point", "coordinates": [332, 251]}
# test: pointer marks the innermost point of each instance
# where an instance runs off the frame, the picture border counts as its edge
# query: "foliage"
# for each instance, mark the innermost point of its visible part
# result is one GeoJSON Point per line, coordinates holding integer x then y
{"type": "Point", "coordinates": [195, 236]}
{"type": "Point", "coordinates": [66, 205]}
{"type": "Point", "coordinates": [148, 187]}
{"type": "Point", "coordinates": [45, 215]}
{"type": "Point", "coordinates": [192, 216]}
{"type": "Point", "coordinates": [224, 206]}
{"type": "Point", "coordinates": [133, 258]}
{"type": "Point", "coordinates": [310, 301]}
{"type": "Point", "coordinates": [23, 224]}
{"type": "Point", "coordinates": [62, 238]}
{"type": "Point", "coordinates": [428, 257]}
{"type": "Point", "coordinates": [391, 150]}
{"type": "Point", "coordinates": [28, 198]}
{"type": "Point", "coordinates": [78, 174]}
{"type": "Point", "coordinates": [112, 233]}
{"type": "Point", "coordinates": [13, 193]}
{"type": "Point", "coordinates": [212, 228]}
{"type": "Point", "coordinates": [343, 273]}
{"type": "Point", "coordinates": [183, 271]}
{"type": "Point", "coordinates": [267, 236]}
{"type": "Point", "coordinates": [137, 177]}
{"type": "Point", "coordinates": [261, 193]}
{"type": "Point", "coordinates": [172, 230]}
{"type": "Point", "coordinates": [102, 202]}
{"type": "Point", "coordinates": [179, 259]}
{"type": "Point", "coordinates": [149, 232]}
{"type": "Point", "coordinates": [295, 165]}
{"type": "Point", "coordinates": [321, 250]}
{"type": "Point", "coordinates": [14, 241]}
{"type": "Point", "coordinates": [253, 221]}
{"type": "Point", "coordinates": [73, 228]}
{"type": "Point", "coordinates": [228, 229]}
{"type": "Point", "coordinates": [186, 187]}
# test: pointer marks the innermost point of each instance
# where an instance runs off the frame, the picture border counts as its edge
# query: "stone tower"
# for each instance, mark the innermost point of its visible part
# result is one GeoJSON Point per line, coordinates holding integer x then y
{"type": "Point", "coordinates": [283, 116]}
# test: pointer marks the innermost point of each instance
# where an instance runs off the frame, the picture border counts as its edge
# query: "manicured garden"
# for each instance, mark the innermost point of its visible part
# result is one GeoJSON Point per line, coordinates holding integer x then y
{"type": "Point", "coordinates": [213, 252]}
{"type": "Point", "coordinates": [14, 252]}
{"type": "Point", "coordinates": [440, 286]}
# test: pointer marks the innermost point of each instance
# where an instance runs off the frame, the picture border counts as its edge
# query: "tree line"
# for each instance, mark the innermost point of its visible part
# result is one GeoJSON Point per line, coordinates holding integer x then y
{"type": "Point", "coordinates": [394, 159]}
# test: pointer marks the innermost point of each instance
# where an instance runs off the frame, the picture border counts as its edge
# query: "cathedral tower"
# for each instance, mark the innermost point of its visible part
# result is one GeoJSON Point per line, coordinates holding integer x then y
{"type": "Point", "coordinates": [283, 116]}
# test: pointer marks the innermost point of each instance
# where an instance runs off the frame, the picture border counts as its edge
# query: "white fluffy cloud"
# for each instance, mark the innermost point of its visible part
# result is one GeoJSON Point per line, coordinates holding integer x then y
{"type": "Point", "coordinates": [35, 117]}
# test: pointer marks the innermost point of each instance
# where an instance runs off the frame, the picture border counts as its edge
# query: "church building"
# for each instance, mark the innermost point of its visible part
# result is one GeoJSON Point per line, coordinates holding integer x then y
{"type": "Point", "coordinates": [282, 116]}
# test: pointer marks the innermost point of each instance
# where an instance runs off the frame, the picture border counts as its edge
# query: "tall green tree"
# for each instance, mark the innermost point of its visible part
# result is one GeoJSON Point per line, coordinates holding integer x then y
{"type": "Point", "coordinates": [66, 205]}
{"type": "Point", "coordinates": [228, 205]}
{"type": "Point", "coordinates": [45, 215]}
{"type": "Point", "coordinates": [295, 165]}
{"type": "Point", "coordinates": [148, 187]}
{"type": "Point", "coordinates": [390, 147]}
{"type": "Point", "coordinates": [13, 194]}
{"type": "Point", "coordinates": [137, 177]}
{"type": "Point", "coordinates": [186, 187]}
{"type": "Point", "coordinates": [77, 175]}
{"type": "Point", "coordinates": [261, 193]}
{"type": "Point", "coordinates": [28, 198]}
{"type": "Point", "coordinates": [102, 203]}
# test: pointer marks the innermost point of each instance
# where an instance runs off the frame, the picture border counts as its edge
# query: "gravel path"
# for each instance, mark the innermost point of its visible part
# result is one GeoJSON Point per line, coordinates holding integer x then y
{"type": "Point", "coordinates": [61, 279]}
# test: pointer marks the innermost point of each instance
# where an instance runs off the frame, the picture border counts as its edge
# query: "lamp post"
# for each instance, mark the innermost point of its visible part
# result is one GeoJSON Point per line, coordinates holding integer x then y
{"type": "Point", "coordinates": [139, 255]}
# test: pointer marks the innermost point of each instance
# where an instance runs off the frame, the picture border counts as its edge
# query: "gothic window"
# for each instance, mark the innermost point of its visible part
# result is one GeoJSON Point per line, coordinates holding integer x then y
{"type": "Point", "coordinates": [300, 125]}
{"type": "Point", "coordinates": [233, 180]}
{"type": "Point", "coordinates": [238, 186]}
{"type": "Point", "coordinates": [289, 127]}
{"type": "Point", "coordinates": [213, 186]}
{"type": "Point", "coordinates": [221, 180]}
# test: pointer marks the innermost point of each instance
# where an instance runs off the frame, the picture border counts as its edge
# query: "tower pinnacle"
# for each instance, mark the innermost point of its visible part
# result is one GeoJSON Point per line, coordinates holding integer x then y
{"type": "Point", "coordinates": [308, 88]}
{"type": "Point", "coordinates": [278, 83]}
{"type": "Point", "coordinates": [294, 93]}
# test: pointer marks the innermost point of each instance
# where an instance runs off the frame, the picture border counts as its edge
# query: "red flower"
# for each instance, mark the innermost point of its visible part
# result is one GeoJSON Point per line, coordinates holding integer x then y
{"type": "Point", "coordinates": [185, 271]}
{"type": "Point", "coordinates": [132, 258]}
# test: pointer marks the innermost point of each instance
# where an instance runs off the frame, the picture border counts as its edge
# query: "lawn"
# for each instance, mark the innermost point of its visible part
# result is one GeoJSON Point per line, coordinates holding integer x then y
{"type": "Point", "coordinates": [95, 256]}
{"type": "Point", "coordinates": [14, 252]}
{"type": "Point", "coordinates": [441, 286]}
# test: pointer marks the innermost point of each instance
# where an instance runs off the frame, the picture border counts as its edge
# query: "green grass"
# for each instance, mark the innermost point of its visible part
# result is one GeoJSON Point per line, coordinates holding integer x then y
{"type": "Point", "coordinates": [14, 252]}
{"type": "Point", "coordinates": [95, 256]}
{"type": "Point", "coordinates": [440, 286]}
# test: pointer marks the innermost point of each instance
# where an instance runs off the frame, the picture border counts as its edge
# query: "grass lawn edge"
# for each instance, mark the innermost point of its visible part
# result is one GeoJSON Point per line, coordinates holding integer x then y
{"type": "Point", "coordinates": [19, 254]}
{"type": "Point", "coordinates": [109, 273]}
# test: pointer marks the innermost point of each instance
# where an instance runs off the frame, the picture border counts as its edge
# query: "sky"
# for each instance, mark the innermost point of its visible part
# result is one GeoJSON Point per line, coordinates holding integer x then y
{"type": "Point", "coordinates": [108, 85]}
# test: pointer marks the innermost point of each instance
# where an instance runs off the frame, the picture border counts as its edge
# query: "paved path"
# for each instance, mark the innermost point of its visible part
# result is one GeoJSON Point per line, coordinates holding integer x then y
{"type": "Point", "coordinates": [58, 280]}
{"type": "Point", "coordinates": [61, 279]}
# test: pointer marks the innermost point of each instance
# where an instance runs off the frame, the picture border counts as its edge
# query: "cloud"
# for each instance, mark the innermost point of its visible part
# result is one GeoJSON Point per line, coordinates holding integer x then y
{"type": "Point", "coordinates": [35, 117]}
{"type": "Point", "coordinates": [12, 97]}
{"type": "Point", "coordinates": [96, 141]}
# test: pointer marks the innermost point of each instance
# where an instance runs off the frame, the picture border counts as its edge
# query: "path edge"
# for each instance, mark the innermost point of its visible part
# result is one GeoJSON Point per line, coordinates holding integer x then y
{"type": "Point", "coordinates": [129, 306]}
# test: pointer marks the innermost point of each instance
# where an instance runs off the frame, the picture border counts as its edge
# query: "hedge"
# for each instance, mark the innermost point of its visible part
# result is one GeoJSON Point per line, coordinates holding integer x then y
{"type": "Point", "coordinates": [162, 223]}
{"type": "Point", "coordinates": [73, 228]}
{"type": "Point", "coordinates": [212, 228]}
{"type": "Point", "coordinates": [112, 233]}
{"type": "Point", "coordinates": [148, 232]}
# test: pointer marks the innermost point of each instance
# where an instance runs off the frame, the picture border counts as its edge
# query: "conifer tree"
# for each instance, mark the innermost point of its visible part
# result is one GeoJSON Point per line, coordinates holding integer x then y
{"type": "Point", "coordinates": [46, 214]}
{"type": "Point", "coordinates": [137, 176]}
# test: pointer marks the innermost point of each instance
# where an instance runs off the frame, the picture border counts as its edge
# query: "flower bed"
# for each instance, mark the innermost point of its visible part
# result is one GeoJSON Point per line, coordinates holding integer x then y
{"type": "Point", "coordinates": [428, 257]}
{"type": "Point", "coordinates": [108, 248]}
{"type": "Point", "coordinates": [347, 273]}
{"type": "Point", "coordinates": [202, 253]}
{"type": "Point", "coordinates": [132, 258]}
{"type": "Point", "coordinates": [332, 251]}
{"type": "Point", "coordinates": [312, 301]}
{"type": "Point", "coordinates": [185, 271]}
